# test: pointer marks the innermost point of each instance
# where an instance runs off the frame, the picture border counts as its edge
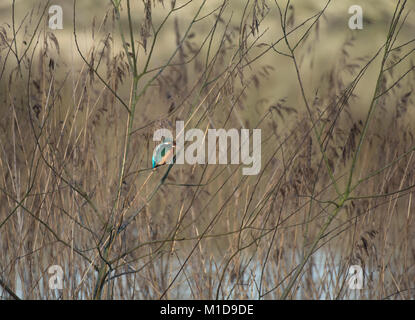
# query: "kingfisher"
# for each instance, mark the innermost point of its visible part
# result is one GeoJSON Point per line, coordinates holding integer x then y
{"type": "Point", "coordinates": [163, 153]}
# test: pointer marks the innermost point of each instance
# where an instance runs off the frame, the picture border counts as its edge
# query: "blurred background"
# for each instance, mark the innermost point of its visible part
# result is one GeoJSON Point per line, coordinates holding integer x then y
{"type": "Point", "coordinates": [333, 34]}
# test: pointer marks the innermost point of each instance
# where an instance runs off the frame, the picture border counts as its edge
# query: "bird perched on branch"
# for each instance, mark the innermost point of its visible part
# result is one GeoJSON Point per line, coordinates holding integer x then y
{"type": "Point", "coordinates": [163, 153]}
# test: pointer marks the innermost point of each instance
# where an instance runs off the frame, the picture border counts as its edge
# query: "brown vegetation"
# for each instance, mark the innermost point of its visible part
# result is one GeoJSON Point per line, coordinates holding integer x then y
{"type": "Point", "coordinates": [77, 188]}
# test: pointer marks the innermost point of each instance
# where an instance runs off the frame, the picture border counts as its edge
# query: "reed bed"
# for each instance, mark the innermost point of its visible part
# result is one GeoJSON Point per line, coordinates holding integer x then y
{"type": "Point", "coordinates": [76, 138]}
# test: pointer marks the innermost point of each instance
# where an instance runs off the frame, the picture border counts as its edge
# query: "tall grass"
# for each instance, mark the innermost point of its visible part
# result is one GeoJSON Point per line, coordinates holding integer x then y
{"type": "Point", "coordinates": [77, 188]}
